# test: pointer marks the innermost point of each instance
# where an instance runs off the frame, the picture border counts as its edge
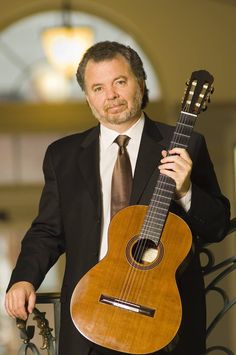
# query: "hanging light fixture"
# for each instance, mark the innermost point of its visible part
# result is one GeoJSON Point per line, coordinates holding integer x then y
{"type": "Point", "coordinates": [65, 45]}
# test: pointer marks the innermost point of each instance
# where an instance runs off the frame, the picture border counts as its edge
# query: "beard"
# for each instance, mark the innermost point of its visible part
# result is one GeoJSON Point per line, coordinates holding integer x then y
{"type": "Point", "coordinates": [120, 117]}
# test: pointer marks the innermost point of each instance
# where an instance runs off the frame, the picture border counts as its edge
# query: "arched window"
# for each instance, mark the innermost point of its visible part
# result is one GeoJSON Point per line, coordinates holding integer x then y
{"type": "Point", "coordinates": [24, 65]}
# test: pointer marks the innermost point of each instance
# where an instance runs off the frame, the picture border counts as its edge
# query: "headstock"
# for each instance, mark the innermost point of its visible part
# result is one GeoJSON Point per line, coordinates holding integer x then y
{"type": "Point", "coordinates": [199, 89]}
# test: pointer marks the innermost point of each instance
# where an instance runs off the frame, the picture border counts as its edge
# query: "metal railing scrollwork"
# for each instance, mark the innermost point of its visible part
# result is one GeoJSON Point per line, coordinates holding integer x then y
{"type": "Point", "coordinates": [222, 270]}
{"type": "Point", "coordinates": [49, 342]}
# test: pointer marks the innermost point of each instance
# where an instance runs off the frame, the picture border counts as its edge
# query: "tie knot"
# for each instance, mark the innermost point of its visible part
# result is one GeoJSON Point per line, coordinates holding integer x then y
{"type": "Point", "coordinates": [122, 141]}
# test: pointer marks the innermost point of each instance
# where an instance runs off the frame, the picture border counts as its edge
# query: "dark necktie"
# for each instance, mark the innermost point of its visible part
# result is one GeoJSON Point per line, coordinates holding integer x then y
{"type": "Point", "coordinates": [121, 184]}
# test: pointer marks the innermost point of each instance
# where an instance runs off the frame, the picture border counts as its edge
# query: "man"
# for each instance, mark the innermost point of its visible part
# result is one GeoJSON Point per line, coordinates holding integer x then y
{"type": "Point", "coordinates": [75, 205]}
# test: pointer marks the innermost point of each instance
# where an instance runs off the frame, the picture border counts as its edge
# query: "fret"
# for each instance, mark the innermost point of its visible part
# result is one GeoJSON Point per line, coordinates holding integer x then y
{"type": "Point", "coordinates": [181, 134]}
{"type": "Point", "coordinates": [160, 214]}
{"type": "Point", "coordinates": [163, 196]}
{"type": "Point", "coordinates": [155, 237]}
{"type": "Point", "coordinates": [182, 145]}
{"type": "Point", "coordinates": [157, 218]}
{"type": "Point", "coordinates": [165, 186]}
{"type": "Point", "coordinates": [157, 228]}
{"type": "Point", "coordinates": [158, 207]}
{"type": "Point", "coordinates": [184, 124]}
{"type": "Point", "coordinates": [152, 231]}
{"type": "Point", "coordinates": [159, 203]}
{"type": "Point", "coordinates": [158, 197]}
{"type": "Point", "coordinates": [155, 231]}
{"type": "Point", "coordinates": [170, 183]}
{"type": "Point", "coordinates": [163, 193]}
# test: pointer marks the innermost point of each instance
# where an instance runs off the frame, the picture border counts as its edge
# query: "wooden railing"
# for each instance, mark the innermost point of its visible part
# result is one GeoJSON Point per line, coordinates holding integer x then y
{"type": "Point", "coordinates": [50, 341]}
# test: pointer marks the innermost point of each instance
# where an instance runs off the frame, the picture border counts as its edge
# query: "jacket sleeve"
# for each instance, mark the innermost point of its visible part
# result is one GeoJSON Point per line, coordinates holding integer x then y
{"type": "Point", "coordinates": [44, 241]}
{"type": "Point", "coordinates": [209, 215]}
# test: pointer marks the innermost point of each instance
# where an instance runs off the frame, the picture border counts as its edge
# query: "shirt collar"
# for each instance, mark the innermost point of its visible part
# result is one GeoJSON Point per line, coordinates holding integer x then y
{"type": "Point", "coordinates": [107, 135]}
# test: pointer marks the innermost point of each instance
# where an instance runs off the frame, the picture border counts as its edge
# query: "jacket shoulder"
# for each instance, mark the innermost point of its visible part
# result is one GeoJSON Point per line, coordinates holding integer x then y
{"type": "Point", "coordinates": [72, 140]}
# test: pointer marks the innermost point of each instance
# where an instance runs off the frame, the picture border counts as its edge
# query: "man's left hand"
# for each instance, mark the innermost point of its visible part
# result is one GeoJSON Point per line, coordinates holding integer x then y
{"type": "Point", "coordinates": [178, 166]}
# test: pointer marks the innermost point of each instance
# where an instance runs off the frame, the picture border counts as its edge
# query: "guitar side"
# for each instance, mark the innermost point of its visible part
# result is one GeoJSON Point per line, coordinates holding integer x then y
{"type": "Point", "coordinates": [128, 305]}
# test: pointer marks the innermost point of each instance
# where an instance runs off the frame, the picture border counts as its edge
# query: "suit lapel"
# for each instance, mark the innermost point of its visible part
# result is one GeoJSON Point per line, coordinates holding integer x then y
{"type": "Point", "coordinates": [152, 143]}
{"type": "Point", "coordinates": [89, 166]}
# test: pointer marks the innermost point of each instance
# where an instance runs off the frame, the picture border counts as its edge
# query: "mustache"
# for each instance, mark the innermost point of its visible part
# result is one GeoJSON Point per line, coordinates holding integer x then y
{"type": "Point", "coordinates": [114, 103]}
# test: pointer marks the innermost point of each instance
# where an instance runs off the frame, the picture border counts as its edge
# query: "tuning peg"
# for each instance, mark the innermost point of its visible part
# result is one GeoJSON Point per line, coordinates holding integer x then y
{"type": "Point", "coordinates": [208, 98]}
{"type": "Point", "coordinates": [187, 82]}
{"type": "Point", "coordinates": [204, 106]}
{"type": "Point", "coordinates": [212, 89]}
{"type": "Point", "coordinates": [182, 100]}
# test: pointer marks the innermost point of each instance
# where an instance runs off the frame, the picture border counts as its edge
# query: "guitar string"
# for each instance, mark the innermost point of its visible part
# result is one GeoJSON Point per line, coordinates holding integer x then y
{"type": "Point", "coordinates": [175, 142]}
{"type": "Point", "coordinates": [143, 243]}
{"type": "Point", "coordinates": [131, 275]}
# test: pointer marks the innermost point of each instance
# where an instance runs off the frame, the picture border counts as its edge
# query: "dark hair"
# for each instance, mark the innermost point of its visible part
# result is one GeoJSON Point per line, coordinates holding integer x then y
{"type": "Point", "coordinates": [108, 50]}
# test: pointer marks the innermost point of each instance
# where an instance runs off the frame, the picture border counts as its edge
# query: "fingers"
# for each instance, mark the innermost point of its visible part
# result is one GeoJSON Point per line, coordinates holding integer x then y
{"type": "Point", "coordinates": [31, 302]}
{"type": "Point", "coordinates": [176, 152]}
{"type": "Point", "coordinates": [178, 166]}
{"type": "Point", "coordinates": [15, 305]}
{"type": "Point", "coordinates": [18, 297]}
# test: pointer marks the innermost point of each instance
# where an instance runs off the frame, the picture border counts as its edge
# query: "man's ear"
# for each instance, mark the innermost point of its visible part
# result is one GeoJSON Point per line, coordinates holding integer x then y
{"type": "Point", "coordinates": [142, 86]}
{"type": "Point", "coordinates": [87, 100]}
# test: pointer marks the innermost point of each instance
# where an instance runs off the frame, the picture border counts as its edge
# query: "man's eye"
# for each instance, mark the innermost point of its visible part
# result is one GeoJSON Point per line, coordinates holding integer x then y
{"type": "Point", "coordinates": [121, 82]}
{"type": "Point", "coordinates": [97, 89]}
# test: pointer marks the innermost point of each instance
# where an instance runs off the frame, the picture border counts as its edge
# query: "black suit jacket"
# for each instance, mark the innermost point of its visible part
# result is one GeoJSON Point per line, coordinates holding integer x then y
{"type": "Point", "coordinates": [69, 220]}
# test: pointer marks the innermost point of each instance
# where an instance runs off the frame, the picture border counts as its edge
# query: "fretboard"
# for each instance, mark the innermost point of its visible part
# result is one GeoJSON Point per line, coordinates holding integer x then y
{"type": "Point", "coordinates": [165, 186]}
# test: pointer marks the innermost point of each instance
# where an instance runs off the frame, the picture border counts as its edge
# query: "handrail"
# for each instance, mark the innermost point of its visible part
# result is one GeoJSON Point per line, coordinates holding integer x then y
{"type": "Point", "coordinates": [50, 342]}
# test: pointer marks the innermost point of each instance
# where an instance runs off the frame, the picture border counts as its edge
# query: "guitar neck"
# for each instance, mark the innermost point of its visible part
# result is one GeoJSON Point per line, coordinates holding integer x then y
{"type": "Point", "coordinates": [165, 187]}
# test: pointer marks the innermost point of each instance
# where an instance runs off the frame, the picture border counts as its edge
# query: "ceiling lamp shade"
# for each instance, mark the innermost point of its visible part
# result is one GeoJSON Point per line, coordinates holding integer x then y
{"type": "Point", "coordinates": [64, 47]}
{"type": "Point", "coordinates": [49, 85]}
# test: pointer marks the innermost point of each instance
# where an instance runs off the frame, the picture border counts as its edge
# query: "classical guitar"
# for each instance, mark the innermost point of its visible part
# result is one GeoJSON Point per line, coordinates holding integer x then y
{"type": "Point", "coordinates": [129, 301]}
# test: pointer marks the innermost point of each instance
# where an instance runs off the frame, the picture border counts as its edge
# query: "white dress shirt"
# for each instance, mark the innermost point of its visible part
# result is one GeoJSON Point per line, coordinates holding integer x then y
{"type": "Point", "coordinates": [108, 156]}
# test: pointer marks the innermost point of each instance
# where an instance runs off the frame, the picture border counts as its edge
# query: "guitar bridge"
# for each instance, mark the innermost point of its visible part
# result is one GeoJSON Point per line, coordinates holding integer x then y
{"type": "Point", "coordinates": [129, 306]}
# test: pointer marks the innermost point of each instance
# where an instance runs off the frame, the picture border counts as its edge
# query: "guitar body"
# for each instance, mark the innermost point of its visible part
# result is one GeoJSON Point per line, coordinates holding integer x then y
{"type": "Point", "coordinates": [129, 302]}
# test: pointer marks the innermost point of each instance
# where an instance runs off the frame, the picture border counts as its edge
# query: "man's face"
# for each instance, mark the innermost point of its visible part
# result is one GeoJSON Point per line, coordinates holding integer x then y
{"type": "Point", "coordinates": [113, 92]}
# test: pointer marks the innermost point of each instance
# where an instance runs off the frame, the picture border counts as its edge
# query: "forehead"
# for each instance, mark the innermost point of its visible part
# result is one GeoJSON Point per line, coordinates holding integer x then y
{"type": "Point", "coordinates": [109, 68]}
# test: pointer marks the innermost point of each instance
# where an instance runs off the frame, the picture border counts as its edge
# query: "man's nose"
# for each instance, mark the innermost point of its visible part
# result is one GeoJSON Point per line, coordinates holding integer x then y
{"type": "Point", "coordinates": [111, 93]}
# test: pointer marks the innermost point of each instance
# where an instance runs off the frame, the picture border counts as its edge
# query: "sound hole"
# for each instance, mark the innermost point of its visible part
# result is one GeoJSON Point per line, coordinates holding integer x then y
{"type": "Point", "coordinates": [143, 253]}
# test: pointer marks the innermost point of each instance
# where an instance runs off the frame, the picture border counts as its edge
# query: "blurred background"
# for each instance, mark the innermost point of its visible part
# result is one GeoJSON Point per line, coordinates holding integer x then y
{"type": "Point", "coordinates": [41, 43]}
